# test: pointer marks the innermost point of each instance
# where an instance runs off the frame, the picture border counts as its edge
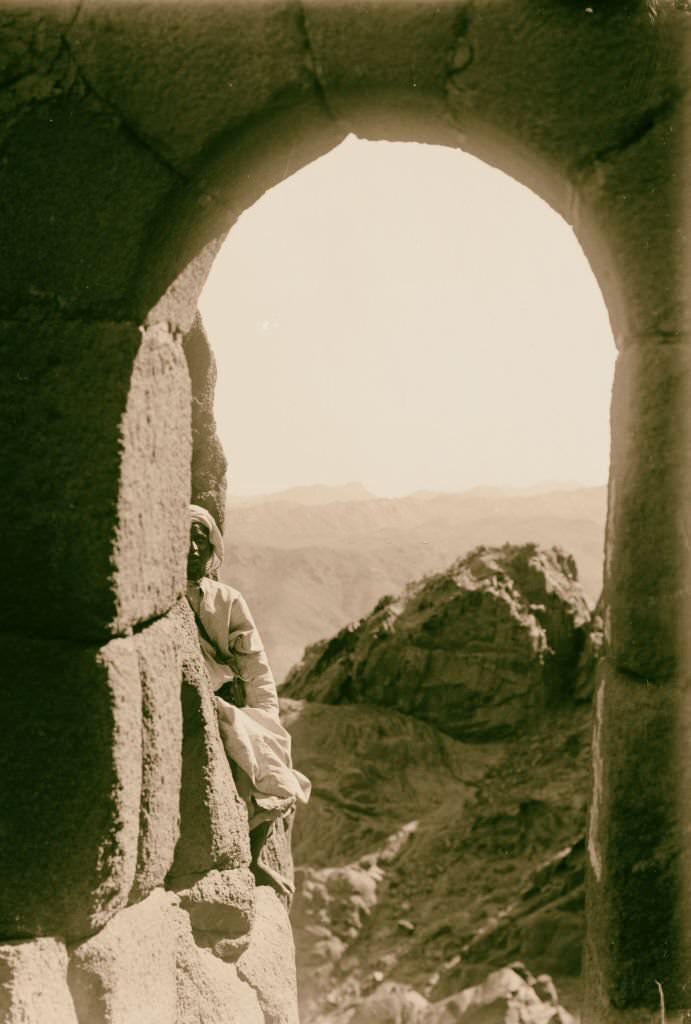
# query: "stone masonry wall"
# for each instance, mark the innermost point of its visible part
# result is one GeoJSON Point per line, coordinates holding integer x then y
{"type": "Point", "coordinates": [132, 136]}
{"type": "Point", "coordinates": [127, 895]}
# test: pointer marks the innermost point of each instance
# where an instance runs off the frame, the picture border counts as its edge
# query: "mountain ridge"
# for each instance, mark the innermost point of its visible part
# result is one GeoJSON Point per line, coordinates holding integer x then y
{"type": "Point", "coordinates": [308, 570]}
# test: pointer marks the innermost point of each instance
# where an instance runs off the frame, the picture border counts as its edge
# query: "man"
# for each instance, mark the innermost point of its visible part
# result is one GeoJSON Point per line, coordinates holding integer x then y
{"type": "Point", "coordinates": [257, 745]}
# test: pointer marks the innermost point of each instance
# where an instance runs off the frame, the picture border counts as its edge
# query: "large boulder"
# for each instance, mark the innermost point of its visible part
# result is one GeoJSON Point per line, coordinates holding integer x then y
{"type": "Point", "coordinates": [475, 650]}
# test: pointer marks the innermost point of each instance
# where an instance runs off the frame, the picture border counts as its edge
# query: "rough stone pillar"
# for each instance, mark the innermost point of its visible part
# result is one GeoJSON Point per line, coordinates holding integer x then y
{"type": "Point", "coordinates": [95, 444]}
{"type": "Point", "coordinates": [638, 912]}
{"type": "Point", "coordinates": [208, 460]}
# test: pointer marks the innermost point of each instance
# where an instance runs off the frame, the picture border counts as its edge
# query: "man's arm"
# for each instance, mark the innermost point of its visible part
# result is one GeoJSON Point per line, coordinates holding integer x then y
{"type": "Point", "coordinates": [249, 656]}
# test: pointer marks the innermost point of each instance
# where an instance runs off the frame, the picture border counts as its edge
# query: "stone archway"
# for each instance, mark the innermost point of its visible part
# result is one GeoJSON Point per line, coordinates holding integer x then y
{"type": "Point", "coordinates": [133, 136]}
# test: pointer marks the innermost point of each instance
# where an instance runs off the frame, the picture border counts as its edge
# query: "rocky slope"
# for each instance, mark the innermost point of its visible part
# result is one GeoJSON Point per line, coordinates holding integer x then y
{"type": "Point", "coordinates": [427, 862]}
{"type": "Point", "coordinates": [309, 564]}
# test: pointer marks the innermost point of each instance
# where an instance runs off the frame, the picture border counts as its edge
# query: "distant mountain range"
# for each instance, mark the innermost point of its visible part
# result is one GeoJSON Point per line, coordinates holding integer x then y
{"type": "Point", "coordinates": [309, 494]}
{"type": "Point", "coordinates": [310, 560]}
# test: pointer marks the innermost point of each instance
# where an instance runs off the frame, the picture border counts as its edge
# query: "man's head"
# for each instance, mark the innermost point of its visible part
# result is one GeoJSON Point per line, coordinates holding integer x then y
{"type": "Point", "coordinates": [200, 552]}
{"type": "Point", "coordinates": [206, 544]}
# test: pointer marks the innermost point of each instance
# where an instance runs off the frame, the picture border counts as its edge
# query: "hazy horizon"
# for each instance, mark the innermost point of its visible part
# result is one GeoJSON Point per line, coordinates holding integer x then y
{"type": "Point", "coordinates": [537, 486]}
{"type": "Point", "coordinates": [406, 316]}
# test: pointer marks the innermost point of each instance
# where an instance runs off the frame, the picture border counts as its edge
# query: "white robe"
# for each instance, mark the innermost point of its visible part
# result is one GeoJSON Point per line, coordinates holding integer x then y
{"type": "Point", "coordinates": [253, 735]}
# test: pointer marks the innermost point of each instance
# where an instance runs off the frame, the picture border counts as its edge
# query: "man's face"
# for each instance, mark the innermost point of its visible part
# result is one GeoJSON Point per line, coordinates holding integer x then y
{"type": "Point", "coordinates": [200, 552]}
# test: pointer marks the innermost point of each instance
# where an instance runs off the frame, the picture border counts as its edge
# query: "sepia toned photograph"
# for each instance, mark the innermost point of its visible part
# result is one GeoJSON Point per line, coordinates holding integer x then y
{"type": "Point", "coordinates": [346, 472]}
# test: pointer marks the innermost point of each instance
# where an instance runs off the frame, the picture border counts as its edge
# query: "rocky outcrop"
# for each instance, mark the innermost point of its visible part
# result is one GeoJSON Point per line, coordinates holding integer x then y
{"type": "Point", "coordinates": [474, 650]}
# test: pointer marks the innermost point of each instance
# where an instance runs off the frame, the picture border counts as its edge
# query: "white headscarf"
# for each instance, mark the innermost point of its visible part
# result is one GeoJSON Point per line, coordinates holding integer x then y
{"type": "Point", "coordinates": [201, 515]}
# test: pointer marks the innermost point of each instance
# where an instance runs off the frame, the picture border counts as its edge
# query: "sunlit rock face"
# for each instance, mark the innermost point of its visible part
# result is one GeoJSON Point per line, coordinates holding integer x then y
{"type": "Point", "coordinates": [474, 650]}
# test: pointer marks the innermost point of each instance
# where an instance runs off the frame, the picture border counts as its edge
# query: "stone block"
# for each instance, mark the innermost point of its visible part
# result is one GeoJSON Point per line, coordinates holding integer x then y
{"type": "Point", "coordinates": [384, 76]}
{"type": "Point", "coordinates": [630, 215]}
{"type": "Point", "coordinates": [208, 460]}
{"type": "Point", "coordinates": [220, 906]}
{"type": "Point", "coordinates": [269, 963]}
{"type": "Point", "coordinates": [33, 983]}
{"type": "Point", "coordinates": [213, 819]}
{"type": "Point", "coordinates": [152, 535]}
{"type": "Point", "coordinates": [209, 990]}
{"type": "Point", "coordinates": [75, 250]}
{"type": "Point", "coordinates": [649, 521]}
{"type": "Point", "coordinates": [637, 905]}
{"type": "Point", "coordinates": [70, 765]}
{"type": "Point", "coordinates": [127, 972]}
{"type": "Point", "coordinates": [98, 514]}
{"type": "Point", "coordinates": [160, 669]}
{"type": "Point", "coordinates": [508, 70]}
{"type": "Point", "coordinates": [184, 75]}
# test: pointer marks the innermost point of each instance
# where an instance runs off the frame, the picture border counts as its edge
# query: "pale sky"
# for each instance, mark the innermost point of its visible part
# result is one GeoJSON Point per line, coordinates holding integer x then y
{"type": "Point", "coordinates": [408, 317]}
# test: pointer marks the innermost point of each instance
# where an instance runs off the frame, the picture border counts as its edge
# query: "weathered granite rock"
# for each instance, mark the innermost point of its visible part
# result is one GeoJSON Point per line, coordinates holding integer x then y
{"type": "Point", "coordinates": [98, 515]}
{"type": "Point", "coordinates": [208, 460]}
{"type": "Point", "coordinates": [70, 771]}
{"type": "Point", "coordinates": [209, 990]}
{"type": "Point", "coordinates": [247, 55]}
{"type": "Point", "coordinates": [213, 819]}
{"type": "Point", "coordinates": [269, 963]}
{"type": "Point", "coordinates": [634, 841]}
{"type": "Point", "coordinates": [66, 266]}
{"type": "Point", "coordinates": [646, 564]}
{"type": "Point", "coordinates": [33, 983]}
{"type": "Point", "coordinates": [474, 650]}
{"type": "Point", "coordinates": [160, 670]}
{"type": "Point", "coordinates": [130, 964]}
{"type": "Point", "coordinates": [220, 906]}
{"type": "Point", "coordinates": [152, 534]}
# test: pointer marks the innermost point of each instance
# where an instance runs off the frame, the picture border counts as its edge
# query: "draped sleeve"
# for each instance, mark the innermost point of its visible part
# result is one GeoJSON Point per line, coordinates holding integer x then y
{"type": "Point", "coordinates": [249, 657]}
